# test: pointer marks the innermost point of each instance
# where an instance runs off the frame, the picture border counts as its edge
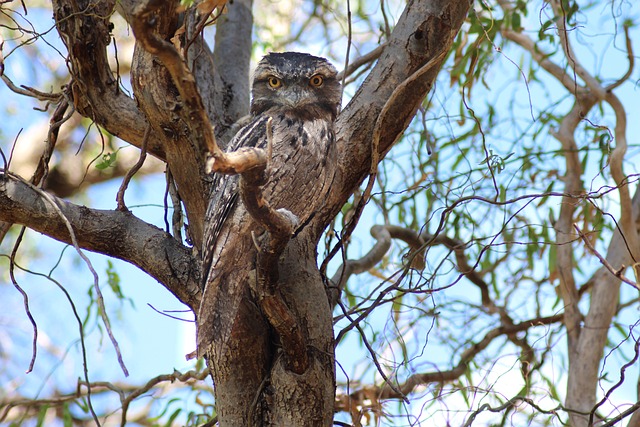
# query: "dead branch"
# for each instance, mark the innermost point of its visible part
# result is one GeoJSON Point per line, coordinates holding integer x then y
{"type": "Point", "coordinates": [280, 225]}
{"type": "Point", "coordinates": [29, 91]}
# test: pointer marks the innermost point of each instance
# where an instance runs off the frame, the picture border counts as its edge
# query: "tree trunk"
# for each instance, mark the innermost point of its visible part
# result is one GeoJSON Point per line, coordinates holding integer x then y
{"type": "Point", "coordinates": [585, 357]}
{"type": "Point", "coordinates": [254, 384]}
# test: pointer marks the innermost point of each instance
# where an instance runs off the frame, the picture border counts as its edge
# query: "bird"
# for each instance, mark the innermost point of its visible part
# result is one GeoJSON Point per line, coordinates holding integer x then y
{"type": "Point", "coordinates": [301, 95]}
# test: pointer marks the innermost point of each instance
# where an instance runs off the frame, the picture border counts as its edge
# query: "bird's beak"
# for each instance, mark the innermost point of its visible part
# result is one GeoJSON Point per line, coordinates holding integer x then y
{"type": "Point", "coordinates": [295, 96]}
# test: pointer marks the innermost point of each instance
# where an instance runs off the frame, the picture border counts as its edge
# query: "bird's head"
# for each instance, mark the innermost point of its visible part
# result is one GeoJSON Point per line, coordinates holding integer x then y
{"type": "Point", "coordinates": [295, 84]}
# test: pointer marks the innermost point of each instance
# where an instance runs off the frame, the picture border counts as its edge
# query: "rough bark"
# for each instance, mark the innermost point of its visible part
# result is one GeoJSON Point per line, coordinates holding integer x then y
{"type": "Point", "coordinates": [366, 130]}
{"type": "Point", "coordinates": [424, 30]}
{"type": "Point", "coordinates": [113, 233]}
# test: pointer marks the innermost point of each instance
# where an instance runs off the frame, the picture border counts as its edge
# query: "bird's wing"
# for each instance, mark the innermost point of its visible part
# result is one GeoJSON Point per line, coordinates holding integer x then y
{"type": "Point", "coordinates": [224, 190]}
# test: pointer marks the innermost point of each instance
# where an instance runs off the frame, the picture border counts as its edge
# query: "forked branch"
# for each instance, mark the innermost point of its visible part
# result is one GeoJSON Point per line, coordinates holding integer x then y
{"type": "Point", "coordinates": [143, 25]}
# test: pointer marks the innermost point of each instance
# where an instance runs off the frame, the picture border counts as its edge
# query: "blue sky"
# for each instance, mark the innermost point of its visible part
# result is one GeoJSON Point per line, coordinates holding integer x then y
{"type": "Point", "coordinates": [154, 344]}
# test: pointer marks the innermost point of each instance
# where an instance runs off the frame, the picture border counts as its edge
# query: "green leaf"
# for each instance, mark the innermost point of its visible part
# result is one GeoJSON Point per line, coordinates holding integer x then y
{"type": "Point", "coordinates": [516, 22]}
{"type": "Point", "coordinates": [113, 279]}
{"type": "Point", "coordinates": [67, 419]}
{"type": "Point", "coordinates": [42, 413]}
{"type": "Point", "coordinates": [108, 160]}
{"type": "Point", "coordinates": [172, 418]}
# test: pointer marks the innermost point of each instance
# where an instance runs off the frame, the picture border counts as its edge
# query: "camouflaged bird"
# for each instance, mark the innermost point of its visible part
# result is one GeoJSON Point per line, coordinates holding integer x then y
{"type": "Point", "coordinates": [301, 94]}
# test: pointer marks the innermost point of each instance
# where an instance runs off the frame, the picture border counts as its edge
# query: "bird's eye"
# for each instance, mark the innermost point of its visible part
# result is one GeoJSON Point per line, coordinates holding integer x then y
{"type": "Point", "coordinates": [316, 81]}
{"type": "Point", "coordinates": [274, 82]}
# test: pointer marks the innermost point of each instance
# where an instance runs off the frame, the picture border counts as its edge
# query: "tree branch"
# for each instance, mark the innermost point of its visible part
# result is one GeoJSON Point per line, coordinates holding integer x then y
{"type": "Point", "coordinates": [184, 116]}
{"type": "Point", "coordinates": [425, 29]}
{"type": "Point", "coordinates": [117, 234]}
{"type": "Point", "coordinates": [231, 72]}
{"type": "Point", "coordinates": [85, 29]}
{"type": "Point", "coordinates": [386, 391]}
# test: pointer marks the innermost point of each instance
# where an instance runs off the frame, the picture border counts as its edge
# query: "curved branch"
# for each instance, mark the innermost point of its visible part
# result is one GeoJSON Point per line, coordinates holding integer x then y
{"type": "Point", "coordinates": [84, 26]}
{"type": "Point", "coordinates": [369, 260]}
{"type": "Point", "coordinates": [386, 391]}
{"type": "Point", "coordinates": [280, 225]}
{"type": "Point", "coordinates": [425, 29]}
{"type": "Point", "coordinates": [626, 223]}
{"type": "Point", "coordinates": [117, 234]}
{"type": "Point", "coordinates": [630, 57]}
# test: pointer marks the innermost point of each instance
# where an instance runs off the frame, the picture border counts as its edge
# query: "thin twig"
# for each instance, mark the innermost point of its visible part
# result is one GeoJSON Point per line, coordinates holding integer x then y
{"type": "Point", "coordinates": [346, 58]}
{"type": "Point", "coordinates": [374, 358]}
{"type": "Point", "coordinates": [135, 168]}
{"type": "Point", "coordinates": [631, 59]}
{"type": "Point", "coordinates": [99, 299]}
{"type": "Point", "coordinates": [604, 262]}
{"type": "Point", "coordinates": [30, 92]}
{"type": "Point", "coordinates": [375, 155]}
{"type": "Point", "coordinates": [25, 300]}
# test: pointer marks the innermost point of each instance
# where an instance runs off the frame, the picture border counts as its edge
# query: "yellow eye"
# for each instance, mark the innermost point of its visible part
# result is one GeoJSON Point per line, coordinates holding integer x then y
{"type": "Point", "coordinates": [316, 81]}
{"type": "Point", "coordinates": [274, 82]}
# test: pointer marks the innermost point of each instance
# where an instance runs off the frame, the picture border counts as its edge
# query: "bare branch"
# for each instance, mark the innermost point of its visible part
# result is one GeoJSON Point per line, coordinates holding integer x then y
{"type": "Point", "coordinates": [117, 234]}
{"type": "Point", "coordinates": [604, 262]}
{"type": "Point", "coordinates": [31, 92]}
{"type": "Point", "coordinates": [85, 29]}
{"type": "Point", "coordinates": [421, 379]}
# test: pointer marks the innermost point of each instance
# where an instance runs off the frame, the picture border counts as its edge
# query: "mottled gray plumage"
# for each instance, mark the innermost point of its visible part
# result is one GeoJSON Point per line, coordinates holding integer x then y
{"type": "Point", "coordinates": [301, 94]}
